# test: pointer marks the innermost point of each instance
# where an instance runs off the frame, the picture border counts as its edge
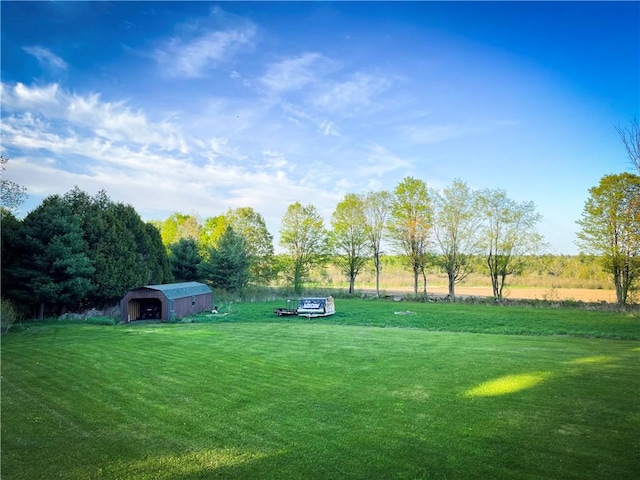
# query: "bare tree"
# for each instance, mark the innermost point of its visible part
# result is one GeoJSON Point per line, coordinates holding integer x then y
{"type": "Point", "coordinates": [630, 137]}
{"type": "Point", "coordinates": [12, 195]}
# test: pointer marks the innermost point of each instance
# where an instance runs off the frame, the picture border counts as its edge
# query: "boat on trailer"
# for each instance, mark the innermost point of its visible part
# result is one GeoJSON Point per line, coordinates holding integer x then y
{"type": "Point", "coordinates": [308, 307]}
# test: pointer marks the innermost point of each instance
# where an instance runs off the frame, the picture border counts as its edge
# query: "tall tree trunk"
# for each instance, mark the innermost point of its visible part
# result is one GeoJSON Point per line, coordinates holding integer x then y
{"type": "Point", "coordinates": [352, 283]}
{"type": "Point", "coordinates": [424, 284]}
{"type": "Point", "coordinates": [41, 311]}
{"type": "Point", "coordinates": [377, 264]}
{"type": "Point", "coordinates": [452, 286]}
{"type": "Point", "coordinates": [618, 281]}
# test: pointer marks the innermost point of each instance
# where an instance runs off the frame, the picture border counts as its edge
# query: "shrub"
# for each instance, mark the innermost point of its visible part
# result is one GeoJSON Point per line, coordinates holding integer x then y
{"type": "Point", "coordinates": [9, 314]}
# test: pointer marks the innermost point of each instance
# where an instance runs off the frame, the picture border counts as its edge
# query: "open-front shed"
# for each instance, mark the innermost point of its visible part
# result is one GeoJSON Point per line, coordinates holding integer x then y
{"type": "Point", "coordinates": [165, 302]}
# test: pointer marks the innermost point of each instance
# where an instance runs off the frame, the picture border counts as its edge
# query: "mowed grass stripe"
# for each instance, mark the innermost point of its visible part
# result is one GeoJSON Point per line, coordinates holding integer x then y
{"type": "Point", "coordinates": [456, 317]}
{"type": "Point", "coordinates": [301, 400]}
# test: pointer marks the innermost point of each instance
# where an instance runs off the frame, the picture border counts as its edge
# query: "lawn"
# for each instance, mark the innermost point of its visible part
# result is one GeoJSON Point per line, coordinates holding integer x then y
{"type": "Point", "coordinates": [247, 395]}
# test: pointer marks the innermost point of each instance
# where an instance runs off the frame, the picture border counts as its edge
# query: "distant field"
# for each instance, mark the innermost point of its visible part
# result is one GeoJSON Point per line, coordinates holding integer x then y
{"type": "Point", "coordinates": [396, 278]}
{"type": "Point", "coordinates": [579, 294]}
{"type": "Point", "coordinates": [381, 390]}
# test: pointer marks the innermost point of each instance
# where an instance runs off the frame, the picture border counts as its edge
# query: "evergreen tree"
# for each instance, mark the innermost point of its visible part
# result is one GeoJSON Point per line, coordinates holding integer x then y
{"type": "Point", "coordinates": [229, 263]}
{"type": "Point", "coordinates": [185, 260]}
{"type": "Point", "coordinates": [124, 250]}
{"type": "Point", "coordinates": [56, 269]}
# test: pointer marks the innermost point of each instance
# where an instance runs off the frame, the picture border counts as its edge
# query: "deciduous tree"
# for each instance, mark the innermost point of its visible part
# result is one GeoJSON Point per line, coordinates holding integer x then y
{"type": "Point", "coordinates": [509, 233]}
{"type": "Point", "coordinates": [376, 210]}
{"type": "Point", "coordinates": [179, 226]}
{"type": "Point", "coordinates": [350, 238]}
{"type": "Point", "coordinates": [306, 240]}
{"type": "Point", "coordinates": [456, 231]}
{"type": "Point", "coordinates": [630, 137]}
{"type": "Point", "coordinates": [12, 195]}
{"type": "Point", "coordinates": [611, 229]}
{"type": "Point", "coordinates": [257, 241]}
{"type": "Point", "coordinates": [410, 225]}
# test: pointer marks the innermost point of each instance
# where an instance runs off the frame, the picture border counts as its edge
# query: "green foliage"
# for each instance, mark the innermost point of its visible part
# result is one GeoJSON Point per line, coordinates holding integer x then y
{"type": "Point", "coordinates": [11, 248]}
{"type": "Point", "coordinates": [610, 228]}
{"type": "Point", "coordinates": [456, 231]}
{"type": "Point", "coordinates": [179, 226]}
{"type": "Point", "coordinates": [185, 260]}
{"type": "Point", "coordinates": [349, 237]}
{"type": "Point", "coordinates": [509, 234]}
{"type": "Point", "coordinates": [376, 211]}
{"type": "Point", "coordinates": [9, 314]}
{"type": "Point", "coordinates": [251, 395]}
{"type": "Point", "coordinates": [126, 252]}
{"type": "Point", "coordinates": [227, 267]}
{"type": "Point", "coordinates": [305, 238]}
{"type": "Point", "coordinates": [51, 264]}
{"type": "Point", "coordinates": [247, 223]}
{"type": "Point", "coordinates": [80, 251]}
{"type": "Point", "coordinates": [410, 225]}
{"type": "Point", "coordinates": [258, 243]}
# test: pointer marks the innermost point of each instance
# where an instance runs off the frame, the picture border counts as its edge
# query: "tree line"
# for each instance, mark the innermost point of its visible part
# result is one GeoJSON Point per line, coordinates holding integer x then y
{"type": "Point", "coordinates": [77, 251]}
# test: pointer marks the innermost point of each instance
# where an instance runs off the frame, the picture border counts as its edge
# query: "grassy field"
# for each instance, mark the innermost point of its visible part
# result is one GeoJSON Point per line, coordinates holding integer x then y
{"type": "Point", "coordinates": [380, 390]}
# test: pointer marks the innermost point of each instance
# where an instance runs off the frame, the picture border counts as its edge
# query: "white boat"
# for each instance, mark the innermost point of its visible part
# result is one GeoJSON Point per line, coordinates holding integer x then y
{"type": "Point", "coordinates": [316, 307]}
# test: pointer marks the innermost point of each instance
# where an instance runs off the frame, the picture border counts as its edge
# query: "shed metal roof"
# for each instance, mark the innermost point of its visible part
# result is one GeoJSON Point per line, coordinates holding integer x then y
{"type": "Point", "coordinates": [180, 290]}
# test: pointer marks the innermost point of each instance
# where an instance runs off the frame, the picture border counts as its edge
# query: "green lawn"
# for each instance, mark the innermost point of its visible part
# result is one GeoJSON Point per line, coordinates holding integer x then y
{"type": "Point", "coordinates": [251, 396]}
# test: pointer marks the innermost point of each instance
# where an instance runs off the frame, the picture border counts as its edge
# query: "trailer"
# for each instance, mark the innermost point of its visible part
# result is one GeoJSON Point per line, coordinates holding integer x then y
{"type": "Point", "coordinates": [289, 310]}
{"type": "Point", "coordinates": [308, 307]}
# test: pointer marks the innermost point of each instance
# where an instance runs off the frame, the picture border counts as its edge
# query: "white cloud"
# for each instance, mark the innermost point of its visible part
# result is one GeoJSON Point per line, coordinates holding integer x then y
{"type": "Point", "coordinates": [358, 91]}
{"type": "Point", "coordinates": [204, 44]}
{"type": "Point", "coordinates": [46, 57]}
{"type": "Point", "coordinates": [23, 96]}
{"type": "Point", "coordinates": [295, 73]}
{"type": "Point", "coordinates": [113, 121]}
{"type": "Point", "coordinates": [380, 161]}
{"type": "Point", "coordinates": [327, 127]}
{"type": "Point", "coordinates": [192, 58]}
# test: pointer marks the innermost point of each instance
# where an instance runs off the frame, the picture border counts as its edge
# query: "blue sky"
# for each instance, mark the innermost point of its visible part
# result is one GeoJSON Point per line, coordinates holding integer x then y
{"type": "Point", "coordinates": [199, 107]}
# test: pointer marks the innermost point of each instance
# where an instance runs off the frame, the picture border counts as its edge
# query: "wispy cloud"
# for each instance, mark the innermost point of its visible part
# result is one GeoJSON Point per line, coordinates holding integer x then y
{"type": "Point", "coordinates": [295, 73]}
{"type": "Point", "coordinates": [427, 134]}
{"type": "Point", "coordinates": [46, 57]}
{"type": "Point", "coordinates": [358, 91]}
{"type": "Point", "coordinates": [328, 127]}
{"type": "Point", "coordinates": [380, 161]}
{"type": "Point", "coordinates": [204, 44]}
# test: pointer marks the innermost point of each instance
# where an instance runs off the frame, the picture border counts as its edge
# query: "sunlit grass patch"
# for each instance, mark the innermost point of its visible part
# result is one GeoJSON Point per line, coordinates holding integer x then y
{"type": "Point", "coordinates": [201, 463]}
{"type": "Point", "coordinates": [507, 384]}
{"type": "Point", "coordinates": [593, 359]}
